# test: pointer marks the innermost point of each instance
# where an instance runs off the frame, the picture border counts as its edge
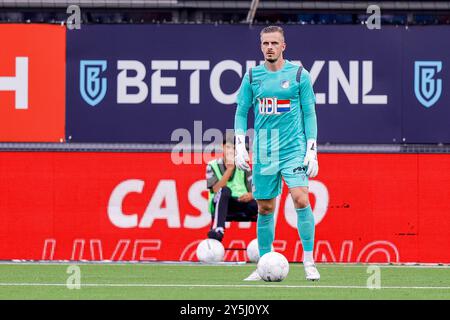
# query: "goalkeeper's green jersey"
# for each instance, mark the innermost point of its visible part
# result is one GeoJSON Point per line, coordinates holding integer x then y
{"type": "Point", "coordinates": [284, 106]}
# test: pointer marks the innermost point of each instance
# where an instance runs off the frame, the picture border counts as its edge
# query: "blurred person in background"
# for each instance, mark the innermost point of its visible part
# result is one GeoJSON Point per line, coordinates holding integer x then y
{"type": "Point", "coordinates": [230, 197]}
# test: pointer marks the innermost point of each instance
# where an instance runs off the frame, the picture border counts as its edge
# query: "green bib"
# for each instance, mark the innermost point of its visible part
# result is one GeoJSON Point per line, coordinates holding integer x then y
{"type": "Point", "coordinates": [236, 183]}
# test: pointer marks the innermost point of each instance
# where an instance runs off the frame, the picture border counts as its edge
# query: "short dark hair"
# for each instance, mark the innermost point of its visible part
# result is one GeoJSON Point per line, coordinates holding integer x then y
{"type": "Point", "coordinates": [231, 139]}
{"type": "Point", "coordinates": [271, 29]}
{"type": "Point", "coordinates": [228, 138]}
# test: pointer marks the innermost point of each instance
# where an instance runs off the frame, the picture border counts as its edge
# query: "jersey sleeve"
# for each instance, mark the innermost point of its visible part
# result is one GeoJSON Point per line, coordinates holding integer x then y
{"type": "Point", "coordinates": [244, 102]}
{"type": "Point", "coordinates": [308, 103]}
{"type": "Point", "coordinates": [211, 178]}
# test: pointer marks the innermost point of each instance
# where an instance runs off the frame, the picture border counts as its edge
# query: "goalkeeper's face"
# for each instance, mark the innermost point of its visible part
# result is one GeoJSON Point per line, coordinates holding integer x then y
{"type": "Point", "coordinates": [272, 46]}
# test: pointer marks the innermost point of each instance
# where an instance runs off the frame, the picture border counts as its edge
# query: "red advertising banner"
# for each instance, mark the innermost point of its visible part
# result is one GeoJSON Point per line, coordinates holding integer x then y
{"type": "Point", "coordinates": [32, 83]}
{"type": "Point", "coordinates": [142, 206]}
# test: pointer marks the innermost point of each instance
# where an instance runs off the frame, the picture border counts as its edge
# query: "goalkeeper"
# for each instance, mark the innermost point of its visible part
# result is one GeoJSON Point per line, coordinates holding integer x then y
{"type": "Point", "coordinates": [284, 145]}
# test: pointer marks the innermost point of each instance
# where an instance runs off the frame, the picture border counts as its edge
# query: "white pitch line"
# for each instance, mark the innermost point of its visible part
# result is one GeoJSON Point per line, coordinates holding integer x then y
{"type": "Point", "coordinates": [5, 284]}
{"type": "Point", "coordinates": [220, 264]}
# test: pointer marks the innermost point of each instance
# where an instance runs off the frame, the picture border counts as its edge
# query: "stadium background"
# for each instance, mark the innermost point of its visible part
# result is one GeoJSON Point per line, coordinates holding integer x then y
{"type": "Point", "coordinates": [88, 174]}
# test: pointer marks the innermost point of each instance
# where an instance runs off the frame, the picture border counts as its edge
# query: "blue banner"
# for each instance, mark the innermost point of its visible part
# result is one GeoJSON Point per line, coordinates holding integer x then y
{"type": "Point", "coordinates": [426, 85]}
{"type": "Point", "coordinates": [150, 83]}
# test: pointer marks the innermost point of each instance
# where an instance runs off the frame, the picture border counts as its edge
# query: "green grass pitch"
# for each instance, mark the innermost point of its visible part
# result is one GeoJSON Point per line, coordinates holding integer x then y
{"type": "Point", "coordinates": [218, 282]}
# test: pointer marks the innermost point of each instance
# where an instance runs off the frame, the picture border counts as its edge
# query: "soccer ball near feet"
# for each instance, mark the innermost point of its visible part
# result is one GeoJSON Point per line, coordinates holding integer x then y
{"type": "Point", "coordinates": [253, 251]}
{"type": "Point", "coordinates": [273, 267]}
{"type": "Point", "coordinates": [210, 251]}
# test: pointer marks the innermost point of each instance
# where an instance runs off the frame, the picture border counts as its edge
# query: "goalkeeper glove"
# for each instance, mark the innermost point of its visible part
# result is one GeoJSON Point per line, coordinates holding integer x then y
{"type": "Point", "coordinates": [241, 153]}
{"type": "Point", "coordinates": [311, 158]}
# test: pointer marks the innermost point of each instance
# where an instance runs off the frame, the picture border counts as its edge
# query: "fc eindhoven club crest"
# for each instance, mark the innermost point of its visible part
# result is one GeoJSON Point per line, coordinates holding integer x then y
{"type": "Point", "coordinates": [92, 87]}
{"type": "Point", "coordinates": [285, 84]}
{"type": "Point", "coordinates": [427, 89]}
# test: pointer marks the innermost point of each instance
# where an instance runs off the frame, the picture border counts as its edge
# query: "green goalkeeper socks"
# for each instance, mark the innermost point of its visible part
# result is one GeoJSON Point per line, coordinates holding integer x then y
{"type": "Point", "coordinates": [305, 226]}
{"type": "Point", "coordinates": [266, 232]}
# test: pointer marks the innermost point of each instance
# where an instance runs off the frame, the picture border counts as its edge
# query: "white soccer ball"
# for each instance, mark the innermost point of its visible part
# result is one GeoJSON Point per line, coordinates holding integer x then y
{"type": "Point", "coordinates": [253, 251]}
{"type": "Point", "coordinates": [210, 251]}
{"type": "Point", "coordinates": [273, 267]}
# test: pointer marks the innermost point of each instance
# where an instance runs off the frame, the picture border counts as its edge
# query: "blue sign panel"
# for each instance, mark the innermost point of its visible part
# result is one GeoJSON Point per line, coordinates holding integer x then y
{"type": "Point", "coordinates": [145, 83]}
{"type": "Point", "coordinates": [426, 85]}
